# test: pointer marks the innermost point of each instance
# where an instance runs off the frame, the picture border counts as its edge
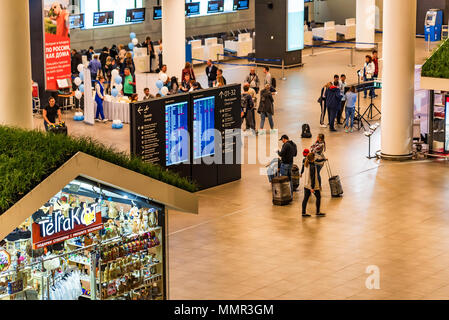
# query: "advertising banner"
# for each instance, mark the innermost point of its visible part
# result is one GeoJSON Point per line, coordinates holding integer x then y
{"type": "Point", "coordinates": [57, 42]}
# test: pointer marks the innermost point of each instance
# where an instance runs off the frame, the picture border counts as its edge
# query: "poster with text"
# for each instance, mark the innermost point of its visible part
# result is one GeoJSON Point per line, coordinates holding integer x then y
{"type": "Point", "coordinates": [57, 43]}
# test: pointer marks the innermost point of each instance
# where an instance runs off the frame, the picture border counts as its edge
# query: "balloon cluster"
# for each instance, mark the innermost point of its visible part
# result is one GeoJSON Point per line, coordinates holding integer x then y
{"type": "Point", "coordinates": [163, 90]}
{"type": "Point", "coordinates": [116, 81]}
{"type": "Point", "coordinates": [79, 82]}
{"type": "Point", "coordinates": [134, 41]}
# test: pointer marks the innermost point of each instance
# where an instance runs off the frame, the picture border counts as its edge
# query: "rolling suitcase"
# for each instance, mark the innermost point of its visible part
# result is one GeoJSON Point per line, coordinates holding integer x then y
{"type": "Point", "coordinates": [281, 191]}
{"type": "Point", "coordinates": [334, 182]}
{"type": "Point", "coordinates": [58, 129]}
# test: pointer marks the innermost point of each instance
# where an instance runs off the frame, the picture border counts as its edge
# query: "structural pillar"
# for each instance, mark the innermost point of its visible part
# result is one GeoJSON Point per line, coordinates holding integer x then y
{"type": "Point", "coordinates": [365, 24]}
{"type": "Point", "coordinates": [174, 35]}
{"type": "Point", "coordinates": [399, 25]}
{"type": "Point", "coordinates": [15, 64]}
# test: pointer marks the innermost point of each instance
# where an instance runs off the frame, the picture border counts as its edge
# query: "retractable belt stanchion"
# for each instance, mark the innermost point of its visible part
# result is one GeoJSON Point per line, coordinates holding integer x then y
{"type": "Point", "coordinates": [351, 64]}
{"type": "Point", "coordinates": [283, 71]}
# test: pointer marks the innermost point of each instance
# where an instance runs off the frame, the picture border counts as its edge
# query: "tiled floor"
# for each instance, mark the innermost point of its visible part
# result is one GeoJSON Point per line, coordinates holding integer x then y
{"type": "Point", "coordinates": [393, 215]}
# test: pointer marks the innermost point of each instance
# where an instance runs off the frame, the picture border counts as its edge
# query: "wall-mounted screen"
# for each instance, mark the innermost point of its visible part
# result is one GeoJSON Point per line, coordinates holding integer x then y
{"type": "Point", "coordinates": [135, 15]}
{"type": "Point", "coordinates": [76, 21]}
{"type": "Point", "coordinates": [295, 25]}
{"type": "Point", "coordinates": [215, 6]}
{"type": "Point", "coordinates": [157, 13]}
{"type": "Point", "coordinates": [241, 4]}
{"type": "Point", "coordinates": [203, 127]}
{"type": "Point", "coordinates": [176, 133]}
{"type": "Point", "coordinates": [103, 18]}
{"type": "Point", "coordinates": [192, 9]}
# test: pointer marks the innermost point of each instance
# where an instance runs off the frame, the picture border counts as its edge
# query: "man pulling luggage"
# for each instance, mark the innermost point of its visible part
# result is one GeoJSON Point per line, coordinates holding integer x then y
{"type": "Point", "coordinates": [288, 152]}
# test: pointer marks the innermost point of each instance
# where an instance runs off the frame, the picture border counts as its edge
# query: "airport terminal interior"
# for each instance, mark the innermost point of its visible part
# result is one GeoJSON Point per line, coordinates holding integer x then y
{"type": "Point", "coordinates": [392, 216]}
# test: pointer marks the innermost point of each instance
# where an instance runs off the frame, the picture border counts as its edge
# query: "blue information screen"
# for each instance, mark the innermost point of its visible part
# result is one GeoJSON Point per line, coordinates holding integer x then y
{"type": "Point", "coordinates": [203, 127]}
{"type": "Point", "coordinates": [176, 133]}
{"type": "Point", "coordinates": [103, 18]}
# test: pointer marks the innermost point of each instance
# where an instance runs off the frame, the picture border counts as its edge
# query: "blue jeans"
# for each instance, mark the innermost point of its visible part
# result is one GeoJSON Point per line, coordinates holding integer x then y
{"type": "Point", "coordinates": [286, 171]}
{"type": "Point", "coordinates": [270, 120]}
{"type": "Point", "coordinates": [349, 116]}
{"type": "Point", "coordinates": [99, 109]}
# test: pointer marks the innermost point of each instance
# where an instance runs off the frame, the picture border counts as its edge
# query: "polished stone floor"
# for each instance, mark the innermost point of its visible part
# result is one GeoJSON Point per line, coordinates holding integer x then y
{"type": "Point", "coordinates": [393, 216]}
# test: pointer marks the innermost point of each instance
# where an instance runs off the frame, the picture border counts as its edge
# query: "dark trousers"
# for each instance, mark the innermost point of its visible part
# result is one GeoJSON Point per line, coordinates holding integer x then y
{"type": "Point", "coordinates": [160, 61]}
{"type": "Point", "coordinates": [250, 119]}
{"type": "Point", "coordinates": [340, 112]}
{"type": "Point", "coordinates": [210, 83]}
{"type": "Point", "coordinates": [323, 111]}
{"type": "Point", "coordinates": [307, 194]}
{"type": "Point", "coordinates": [332, 113]}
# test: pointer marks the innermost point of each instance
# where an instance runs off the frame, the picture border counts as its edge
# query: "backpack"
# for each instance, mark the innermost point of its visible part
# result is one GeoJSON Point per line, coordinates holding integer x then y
{"type": "Point", "coordinates": [273, 82]}
{"type": "Point", "coordinates": [295, 148]}
{"type": "Point", "coordinates": [306, 133]}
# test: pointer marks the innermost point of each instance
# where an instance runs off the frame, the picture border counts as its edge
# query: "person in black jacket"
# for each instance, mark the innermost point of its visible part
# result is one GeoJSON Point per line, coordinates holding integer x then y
{"type": "Point", "coordinates": [333, 103]}
{"type": "Point", "coordinates": [288, 152]}
{"type": "Point", "coordinates": [248, 110]}
{"type": "Point", "coordinates": [211, 72]}
{"type": "Point", "coordinates": [76, 61]}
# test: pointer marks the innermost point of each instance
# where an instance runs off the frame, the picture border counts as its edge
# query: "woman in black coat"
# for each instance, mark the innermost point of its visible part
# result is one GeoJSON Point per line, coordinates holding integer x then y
{"type": "Point", "coordinates": [266, 108]}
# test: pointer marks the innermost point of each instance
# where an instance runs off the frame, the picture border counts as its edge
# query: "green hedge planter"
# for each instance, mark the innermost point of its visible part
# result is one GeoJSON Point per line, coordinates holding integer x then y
{"type": "Point", "coordinates": [28, 157]}
{"type": "Point", "coordinates": [437, 66]}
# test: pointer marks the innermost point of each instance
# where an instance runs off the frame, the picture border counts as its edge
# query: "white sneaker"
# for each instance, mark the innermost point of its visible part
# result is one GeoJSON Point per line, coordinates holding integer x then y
{"type": "Point", "coordinates": [262, 132]}
{"type": "Point", "coordinates": [97, 120]}
{"type": "Point", "coordinates": [273, 131]}
{"type": "Point", "coordinates": [323, 126]}
{"type": "Point", "coordinates": [105, 120]}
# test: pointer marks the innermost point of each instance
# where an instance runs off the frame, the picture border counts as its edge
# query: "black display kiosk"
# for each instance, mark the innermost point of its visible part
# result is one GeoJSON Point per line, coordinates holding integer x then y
{"type": "Point", "coordinates": [195, 134]}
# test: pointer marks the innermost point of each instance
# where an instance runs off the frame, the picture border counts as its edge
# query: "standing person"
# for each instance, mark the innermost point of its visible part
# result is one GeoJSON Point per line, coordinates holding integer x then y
{"type": "Point", "coordinates": [90, 53]}
{"type": "Point", "coordinates": [188, 69]}
{"type": "Point", "coordinates": [342, 85]}
{"type": "Point", "coordinates": [322, 102]}
{"type": "Point", "coordinates": [150, 51]}
{"type": "Point", "coordinates": [103, 57]}
{"type": "Point", "coordinates": [76, 61]}
{"type": "Point", "coordinates": [163, 71]}
{"type": "Point", "coordinates": [253, 80]}
{"type": "Point", "coordinates": [336, 78]}
{"type": "Point", "coordinates": [251, 92]}
{"type": "Point", "coordinates": [376, 68]}
{"type": "Point", "coordinates": [248, 109]}
{"type": "Point", "coordinates": [288, 152]}
{"type": "Point", "coordinates": [351, 98]}
{"type": "Point", "coordinates": [312, 184]}
{"type": "Point", "coordinates": [211, 72]}
{"type": "Point", "coordinates": [50, 112]}
{"type": "Point", "coordinates": [220, 74]}
{"type": "Point", "coordinates": [99, 98]}
{"type": "Point", "coordinates": [128, 83]}
{"type": "Point", "coordinates": [368, 72]}
{"type": "Point", "coordinates": [94, 67]}
{"type": "Point", "coordinates": [128, 63]}
{"type": "Point", "coordinates": [160, 54]}
{"type": "Point", "coordinates": [333, 103]}
{"type": "Point", "coordinates": [121, 53]}
{"type": "Point", "coordinates": [268, 78]}
{"type": "Point", "coordinates": [108, 74]}
{"type": "Point", "coordinates": [266, 108]}
{"type": "Point", "coordinates": [318, 149]}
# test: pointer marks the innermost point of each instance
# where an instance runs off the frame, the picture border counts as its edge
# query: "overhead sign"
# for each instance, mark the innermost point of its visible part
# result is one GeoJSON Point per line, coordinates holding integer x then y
{"type": "Point", "coordinates": [57, 43]}
{"type": "Point", "coordinates": [59, 227]}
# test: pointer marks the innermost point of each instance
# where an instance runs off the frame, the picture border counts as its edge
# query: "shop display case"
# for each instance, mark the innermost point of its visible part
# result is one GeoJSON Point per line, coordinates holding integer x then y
{"type": "Point", "coordinates": [439, 122]}
{"type": "Point", "coordinates": [90, 241]}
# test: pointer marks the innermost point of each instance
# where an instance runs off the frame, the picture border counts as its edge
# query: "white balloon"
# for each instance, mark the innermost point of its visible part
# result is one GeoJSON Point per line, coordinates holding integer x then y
{"type": "Point", "coordinates": [135, 41]}
{"type": "Point", "coordinates": [119, 87]}
{"type": "Point", "coordinates": [164, 91]}
{"type": "Point", "coordinates": [78, 81]}
{"type": "Point", "coordinates": [114, 74]}
{"type": "Point", "coordinates": [164, 77]}
{"type": "Point", "coordinates": [80, 67]}
{"type": "Point", "coordinates": [78, 94]}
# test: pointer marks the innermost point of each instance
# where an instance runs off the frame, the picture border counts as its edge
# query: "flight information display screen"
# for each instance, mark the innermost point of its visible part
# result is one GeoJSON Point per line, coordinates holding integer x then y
{"type": "Point", "coordinates": [176, 133]}
{"type": "Point", "coordinates": [241, 4]}
{"type": "Point", "coordinates": [135, 15]}
{"type": "Point", "coordinates": [203, 127]}
{"type": "Point", "coordinates": [215, 6]}
{"type": "Point", "coordinates": [103, 18]}
{"type": "Point", "coordinates": [192, 9]}
{"type": "Point", "coordinates": [76, 21]}
{"type": "Point", "coordinates": [157, 13]}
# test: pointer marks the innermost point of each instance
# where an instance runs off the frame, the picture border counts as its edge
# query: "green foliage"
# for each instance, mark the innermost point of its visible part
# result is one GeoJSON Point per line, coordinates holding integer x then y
{"type": "Point", "coordinates": [437, 66]}
{"type": "Point", "coordinates": [28, 157]}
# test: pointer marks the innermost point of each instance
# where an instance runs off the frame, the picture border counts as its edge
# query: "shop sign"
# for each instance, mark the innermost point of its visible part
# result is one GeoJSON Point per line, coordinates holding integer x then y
{"type": "Point", "coordinates": [15, 287]}
{"type": "Point", "coordinates": [58, 227]}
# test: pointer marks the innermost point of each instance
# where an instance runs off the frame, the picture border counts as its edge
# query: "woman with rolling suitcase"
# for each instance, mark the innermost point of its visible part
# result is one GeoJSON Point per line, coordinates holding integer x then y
{"type": "Point", "coordinates": [318, 149]}
{"type": "Point", "coordinates": [312, 185]}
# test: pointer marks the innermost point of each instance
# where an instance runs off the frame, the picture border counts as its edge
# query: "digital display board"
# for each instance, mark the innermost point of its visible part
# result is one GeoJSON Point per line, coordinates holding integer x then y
{"type": "Point", "coordinates": [176, 133]}
{"type": "Point", "coordinates": [103, 18]}
{"type": "Point", "coordinates": [76, 21]}
{"type": "Point", "coordinates": [295, 25]}
{"type": "Point", "coordinates": [135, 15]}
{"type": "Point", "coordinates": [203, 127]}
{"type": "Point", "coordinates": [446, 144]}
{"type": "Point", "coordinates": [192, 9]}
{"type": "Point", "coordinates": [157, 13]}
{"type": "Point", "coordinates": [241, 4]}
{"type": "Point", "coordinates": [215, 6]}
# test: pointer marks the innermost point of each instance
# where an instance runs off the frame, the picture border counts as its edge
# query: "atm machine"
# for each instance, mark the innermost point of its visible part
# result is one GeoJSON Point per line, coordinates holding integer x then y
{"type": "Point", "coordinates": [433, 25]}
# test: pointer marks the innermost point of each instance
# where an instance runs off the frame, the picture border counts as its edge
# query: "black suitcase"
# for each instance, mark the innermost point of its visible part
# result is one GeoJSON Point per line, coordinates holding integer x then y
{"type": "Point", "coordinates": [334, 182]}
{"type": "Point", "coordinates": [295, 177]}
{"type": "Point", "coordinates": [58, 129]}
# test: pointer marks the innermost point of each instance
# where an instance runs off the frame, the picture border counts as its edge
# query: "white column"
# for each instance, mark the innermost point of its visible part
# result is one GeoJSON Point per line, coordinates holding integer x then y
{"type": "Point", "coordinates": [399, 28]}
{"type": "Point", "coordinates": [365, 23]}
{"type": "Point", "coordinates": [15, 65]}
{"type": "Point", "coordinates": [174, 36]}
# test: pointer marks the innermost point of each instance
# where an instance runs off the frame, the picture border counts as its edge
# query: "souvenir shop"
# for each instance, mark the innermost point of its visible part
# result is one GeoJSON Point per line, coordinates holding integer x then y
{"type": "Point", "coordinates": [90, 241]}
